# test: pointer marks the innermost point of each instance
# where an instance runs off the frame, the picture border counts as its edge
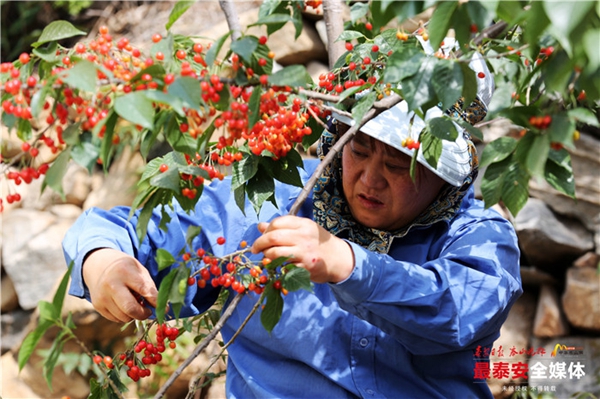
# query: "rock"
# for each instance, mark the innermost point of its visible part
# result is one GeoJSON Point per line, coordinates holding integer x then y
{"type": "Point", "coordinates": [10, 300]}
{"type": "Point", "coordinates": [580, 367]}
{"type": "Point", "coordinates": [76, 187]}
{"type": "Point", "coordinates": [586, 169]}
{"type": "Point", "coordinates": [590, 259]}
{"type": "Point", "coordinates": [548, 241]}
{"type": "Point", "coordinates": [118, 187]}
{"type": "Point", "coordinates": [549, 319]}
{"type": "Point", "coordinates": [32, 254]}
{"type": "Point", "coordinates": [581, 299]}
{"type": "Point", "coordinates": [11, 386]}
{"type": "Point", "coordinates": [515, 332]}
{"type": "Point", "coordinates": [14, 328]}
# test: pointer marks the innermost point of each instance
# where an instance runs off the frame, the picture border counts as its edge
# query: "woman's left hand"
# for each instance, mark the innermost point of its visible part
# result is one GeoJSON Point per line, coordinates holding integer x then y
{"type": "Point", "coordinates": [326, 257]}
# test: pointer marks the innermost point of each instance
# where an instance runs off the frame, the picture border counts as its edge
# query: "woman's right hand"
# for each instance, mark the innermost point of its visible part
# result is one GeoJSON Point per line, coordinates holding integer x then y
{"type": "Point", "coordinates": [116, 282]}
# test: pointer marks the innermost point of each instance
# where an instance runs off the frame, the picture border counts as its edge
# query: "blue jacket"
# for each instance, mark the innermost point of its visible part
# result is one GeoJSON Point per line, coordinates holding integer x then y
{"type": "Point", "coordinates": [402, 325]}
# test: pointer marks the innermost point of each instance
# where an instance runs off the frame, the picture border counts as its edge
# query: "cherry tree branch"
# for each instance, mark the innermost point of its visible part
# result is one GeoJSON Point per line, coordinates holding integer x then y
{"type": "Point", "coordinates": [334, 26]}
{"type": "Point", "coordinates": [232, 18]}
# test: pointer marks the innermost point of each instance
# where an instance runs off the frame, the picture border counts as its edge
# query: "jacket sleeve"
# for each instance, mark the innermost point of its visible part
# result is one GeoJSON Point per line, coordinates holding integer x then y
{"type": "Point", "coordinates": [455, 300]}
{"type": "Point", "coordinates": [215, 212]}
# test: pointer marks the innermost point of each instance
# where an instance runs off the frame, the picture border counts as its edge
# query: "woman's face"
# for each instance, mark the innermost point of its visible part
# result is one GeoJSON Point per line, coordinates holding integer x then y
{"type": "Point", "coordinates": [378, 187]}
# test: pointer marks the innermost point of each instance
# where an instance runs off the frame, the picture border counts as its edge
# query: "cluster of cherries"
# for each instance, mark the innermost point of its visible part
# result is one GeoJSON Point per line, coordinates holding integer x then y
{"type": "Point", "coordinates": [144, 353]}
{"type": "Point", "coordinates": [282, 123]}
{"type": "Point", "coordinates": [212, 273]}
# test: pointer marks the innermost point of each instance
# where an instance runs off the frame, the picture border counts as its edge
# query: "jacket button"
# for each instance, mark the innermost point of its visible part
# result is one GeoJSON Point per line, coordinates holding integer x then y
{"type": "Point", "coordinates": [363, 342]}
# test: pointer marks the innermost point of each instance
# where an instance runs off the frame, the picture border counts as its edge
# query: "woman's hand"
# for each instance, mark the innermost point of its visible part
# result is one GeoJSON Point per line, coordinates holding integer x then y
{"type": "Point", "coordinates": [327, 258]}
{"type": "Point", "coordinates": [116, 282]}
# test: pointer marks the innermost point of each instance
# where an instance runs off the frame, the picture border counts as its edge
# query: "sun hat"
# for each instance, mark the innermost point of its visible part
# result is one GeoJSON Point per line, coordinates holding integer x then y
{"type": "Point", "coordinates": [396, 124]}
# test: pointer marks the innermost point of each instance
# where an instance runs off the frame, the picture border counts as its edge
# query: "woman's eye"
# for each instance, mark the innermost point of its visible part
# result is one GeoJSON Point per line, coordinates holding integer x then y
{"type": "Point", "coordinates": [359, 154]}
{"type": "Point", "coordinates": [395, 167]}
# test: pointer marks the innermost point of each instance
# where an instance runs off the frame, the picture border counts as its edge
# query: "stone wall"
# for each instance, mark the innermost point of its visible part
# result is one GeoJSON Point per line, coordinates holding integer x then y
{"type": "Point", "coordinates": [559, 239]}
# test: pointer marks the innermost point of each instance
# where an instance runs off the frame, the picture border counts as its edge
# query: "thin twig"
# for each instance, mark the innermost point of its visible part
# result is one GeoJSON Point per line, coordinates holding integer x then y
{"type": "Point", "coordinates": [201, 346]}
{"type": "Point", "coordinates": [235, 335]}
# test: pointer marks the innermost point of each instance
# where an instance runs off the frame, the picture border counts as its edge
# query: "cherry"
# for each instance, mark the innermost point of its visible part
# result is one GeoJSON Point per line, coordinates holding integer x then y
{"type": "Point", "coordinates": [156, 37]}
{"type": "Point", "coordinates": [24, 58]}
{"type": "Point", "coordinates": [262, 40]}
{"type": "Point", "coordinates": [481, 75]}
{"type": "Point", "coordinates": [349, 46]}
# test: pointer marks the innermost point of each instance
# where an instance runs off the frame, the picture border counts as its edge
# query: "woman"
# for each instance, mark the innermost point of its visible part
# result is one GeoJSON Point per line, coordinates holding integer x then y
{"type": "Point", "coordinates": [410, 276]}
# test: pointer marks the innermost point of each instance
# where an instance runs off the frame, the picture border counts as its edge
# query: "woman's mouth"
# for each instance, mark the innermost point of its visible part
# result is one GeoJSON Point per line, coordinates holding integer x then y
{"type": "Point", "coordinates": [370, 202]}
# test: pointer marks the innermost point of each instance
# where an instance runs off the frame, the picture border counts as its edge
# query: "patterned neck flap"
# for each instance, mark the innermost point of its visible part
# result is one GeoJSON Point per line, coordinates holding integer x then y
{"type": "Point", "coordinates": [331, 211]}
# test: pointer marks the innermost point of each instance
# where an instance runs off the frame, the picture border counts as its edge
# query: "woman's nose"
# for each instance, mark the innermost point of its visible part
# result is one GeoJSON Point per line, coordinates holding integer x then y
{"type": "Point", "coordinates": [372, 176]}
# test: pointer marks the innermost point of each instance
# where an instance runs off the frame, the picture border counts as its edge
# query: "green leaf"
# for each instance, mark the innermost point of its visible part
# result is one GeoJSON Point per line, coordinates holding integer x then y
{"type": "Point", "coordinates": [164, 259]}
{"type": "Point", "coordinates": [491, 184]}
{"type": "Point", "coordinates": [31, 341]}
{"type": "Point", "coordinates": [254, 107]}
{"type": "Point", "coordinates": [59, 295]}
{"type": "Point", "coordinates": [57, 30]}
{"type": "Point", "coordinates": [146, 213]}
{"type": "Point", "coordinates": [583, 115]}
{"type": "Point", "coordinates": [497, 150]}
{"type": "Point", "coordinates": [167, 98]}
{"type": "Point", "coordinates": [286, 170]}
{"type": "Point", "coordinates": [56, 172]}
{"type": "Point", "coordinates": [107, 146]}
{"type": "Point", "coordinates": [47, 53]}
{"type": "Point", "coordinates": [561, 129]}
{"type": "Point", "coordinates": [169, 180]}
{"type": "Point", "coordinates": [259, 189]}
{"type": "Point", "coordinates": [418, 89]}
{"type": "Point", "coordinates": [82, 76]}
{"type": "Point", "coordinates": [244, 170]}
{"type": "Point", "coordinates": [348, 35]}
{"type": "Point", "coordinates": [178, 10]}
{"type": "Point", "coordinates": [515, 188]}
{"type": "Point", "coordinates": [537, 22]}
{"type": "Point", "coordinates": [245, 47]}
{"type": "Point", "coordinates": [54, 353]}
{"type": "Point", "coordinates": [295, 279]}
{"type": "Point", "coordinates": [538, 154]}
{"type": "Point", "coordinates": [402, 65]}
{"type": "Point", "coordinates": [191, 234]}
{"type": "Point", "coordinates": [358, 11]}
{"type": "Point", "coordinates": [559, 172]}
{"type": "Point", "coordinates": [590, 41]}
{"type": "Point", "coordinates": [293, 75]}
{"type": "Point", "coordinates": [431, 147]}
{"type": "Point", "coordinates": [443, 128]}
{"type": "Point", "coordinates": [38, 100]}
{"type": "Point", "coordinates": [213, 51]}
{"type": "Point", "coordinates": [136, 108]}
{"type": "Point", "coordinates": [440, 22]}
{"type": "Point", "coordinates": [24, 129]}
{"type": "Point", "coordinates": [565, 17]}
{"type": "Point", "coordinates": [273, 19]}
{"type": "Point", "coordinates": [85, 153]}
{"type": "Point", "coordinates": [239, 195]}
{"type": "Point", "coordinates": [271, 313]}
{"type": "Point", "coordinates": [163, 295]}
{"type": "Point", "coordinates": [187, 90]}
{"type": "Point", "coordinates": [47, 311]}
{"type": "Point", "coordinates": [469, 91]}
{"type": "Point", "coordinates": [363, 106]}
{"type": "Point", "coordinates": [447, 82]}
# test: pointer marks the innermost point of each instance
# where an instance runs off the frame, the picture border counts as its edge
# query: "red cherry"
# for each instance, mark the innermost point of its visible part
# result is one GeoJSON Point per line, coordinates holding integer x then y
{"type": "Point", "coordinates": [180, 54]}
{"type": "Point", "coordinates": [375, 48]}
{"type": "Point", "coordinates": [481, 75]}
{"type": "Point", "coordinates": [169, 78]}
{"type": "Point", "coordinates": [24, 58]}
{"type": "Point", "coordinates": [262, 40]}
{"type": "Point", "coordinates": [369, 26]}
{"type": "Point", "coordinates": [221, 240]}
{"type": "Point", "coordinates": [163, 168]}
{"type": "Point", "coordinates": [349, 46]}
{"type": "Point", "coordinates": [156, 37]}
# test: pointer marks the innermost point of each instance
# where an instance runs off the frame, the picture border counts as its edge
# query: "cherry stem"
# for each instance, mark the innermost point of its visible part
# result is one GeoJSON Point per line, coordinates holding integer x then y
{"type": "Point", "coordinates": [194, 384]}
